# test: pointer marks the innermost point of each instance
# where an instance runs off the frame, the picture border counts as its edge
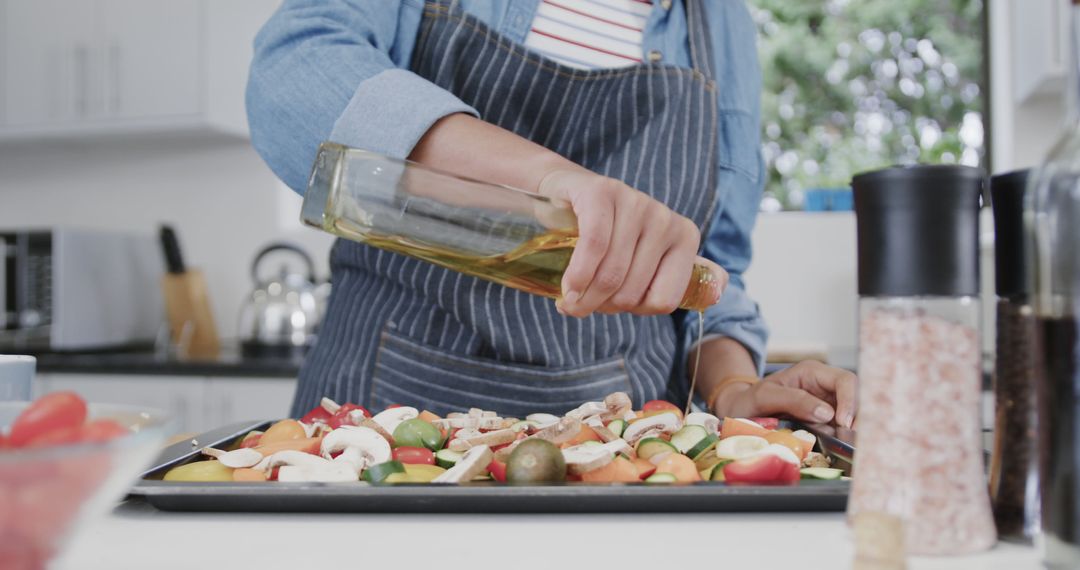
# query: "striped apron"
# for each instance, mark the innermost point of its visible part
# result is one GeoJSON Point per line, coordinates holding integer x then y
{"type": "Point", "coordinates": [399, 330]}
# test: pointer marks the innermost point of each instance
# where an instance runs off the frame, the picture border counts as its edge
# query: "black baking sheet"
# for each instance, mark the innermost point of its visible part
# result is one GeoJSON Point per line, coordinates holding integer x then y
{"type": "Point", "coordinates": [470, 498]}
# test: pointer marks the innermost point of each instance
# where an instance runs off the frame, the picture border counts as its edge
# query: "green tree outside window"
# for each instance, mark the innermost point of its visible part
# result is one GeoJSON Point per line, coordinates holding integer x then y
{"type": "Point", "coordinates": [852, 85]}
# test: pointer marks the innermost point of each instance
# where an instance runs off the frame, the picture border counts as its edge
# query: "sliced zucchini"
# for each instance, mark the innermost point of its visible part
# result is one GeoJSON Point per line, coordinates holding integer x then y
{"type": "Point", "coordinates": [379, 472]}
{"type": "Point", "coordinates": [707, 462]}
{"type": "Point", "coordinates": [686, 438]}
{"type": "Point", "coordinates": [591, 442]}
{"type": "Point", "coordinates": [718, 471]}
{"type": "Point", "coordinates": [651, 446]}
{"type": "Point", "coordinates": [617, 427]}
{"type": "Point", "coordinates": [447, 458]}
{"type": "Point", "coordinates": [661, 478]}
{"type": "Point", "coordinates": [823, 473]}
{"type": "Point", "coordinates": [704, 446]}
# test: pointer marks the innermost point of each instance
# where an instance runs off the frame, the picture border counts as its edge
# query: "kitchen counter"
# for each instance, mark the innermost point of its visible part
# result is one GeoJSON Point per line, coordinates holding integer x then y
{"type": "Point", "coordinates": [148, 362]}
{"type": "Point", "coordinates": [137, 536]}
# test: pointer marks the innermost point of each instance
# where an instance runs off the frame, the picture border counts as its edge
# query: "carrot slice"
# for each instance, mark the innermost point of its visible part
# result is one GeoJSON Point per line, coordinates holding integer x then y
{"type": "Point", "coordinates": [644, 467]}
{"type": "Point", "coordinates": [681, 466]}
{"type": "Point", "coordinates": [789, 441]}
{"type": "Point", "coordinates": [618, 471]}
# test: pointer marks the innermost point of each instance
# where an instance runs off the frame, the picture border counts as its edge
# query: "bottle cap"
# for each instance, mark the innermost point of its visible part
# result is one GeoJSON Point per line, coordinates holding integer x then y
{"type": "Point", "coordinates": [1011, 271]}
{"type": "Point", "coordinates": [918, 231]}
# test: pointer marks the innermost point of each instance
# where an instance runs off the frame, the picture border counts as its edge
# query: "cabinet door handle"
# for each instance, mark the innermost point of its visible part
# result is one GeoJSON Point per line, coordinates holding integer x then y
{"type": "Point", "coordinates": [116, 99]}
{"type": "Point", "coordinates": [82, 78]}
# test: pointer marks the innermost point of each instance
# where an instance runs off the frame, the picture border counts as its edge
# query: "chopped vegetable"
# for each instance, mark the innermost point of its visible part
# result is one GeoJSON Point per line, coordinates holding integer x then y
{"type": "Point", "coordinates": [761, 469]}
{"type": "Point", "coordinates": [740, 446]}
{"type": "Point", "coordinates": [824, 473]}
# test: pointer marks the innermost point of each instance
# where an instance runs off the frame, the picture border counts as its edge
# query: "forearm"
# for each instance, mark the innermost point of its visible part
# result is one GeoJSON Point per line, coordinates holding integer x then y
{"type": "Point", "coordinates": [722, 359]}
{"type": "Point", "coordinates": [468, 146]}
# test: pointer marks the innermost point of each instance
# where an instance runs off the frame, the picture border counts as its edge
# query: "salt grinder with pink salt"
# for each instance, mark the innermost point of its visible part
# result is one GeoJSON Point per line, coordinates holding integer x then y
{"type": "Point", "coordinates": [920, 455]}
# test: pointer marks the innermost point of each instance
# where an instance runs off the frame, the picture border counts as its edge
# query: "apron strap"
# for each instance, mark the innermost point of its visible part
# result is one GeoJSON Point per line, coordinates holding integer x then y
{"type": "Point", "coordinates": [701, 53]}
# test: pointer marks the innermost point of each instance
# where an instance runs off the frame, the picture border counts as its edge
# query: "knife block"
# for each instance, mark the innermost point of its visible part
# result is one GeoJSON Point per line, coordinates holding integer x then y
{"type": "Point", "coordinates": [191, 323]}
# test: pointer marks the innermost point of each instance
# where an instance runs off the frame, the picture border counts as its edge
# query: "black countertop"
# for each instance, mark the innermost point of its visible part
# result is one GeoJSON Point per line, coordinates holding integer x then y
{"type": "Point", "coordinates": [148, 362]}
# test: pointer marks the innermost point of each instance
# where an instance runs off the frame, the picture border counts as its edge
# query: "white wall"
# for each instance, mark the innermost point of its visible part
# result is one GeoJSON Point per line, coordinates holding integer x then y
{"type": "Point", "coordinates": [223, 201]}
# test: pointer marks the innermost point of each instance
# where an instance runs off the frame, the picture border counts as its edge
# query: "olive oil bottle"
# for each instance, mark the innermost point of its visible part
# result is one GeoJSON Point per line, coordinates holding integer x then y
{"type": "Point", "coordinates": [501, 234]}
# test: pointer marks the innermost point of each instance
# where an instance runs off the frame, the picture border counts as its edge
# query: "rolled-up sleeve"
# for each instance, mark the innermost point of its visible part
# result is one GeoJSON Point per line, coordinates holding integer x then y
{"type": "Point", "coordinates": [334, 70]}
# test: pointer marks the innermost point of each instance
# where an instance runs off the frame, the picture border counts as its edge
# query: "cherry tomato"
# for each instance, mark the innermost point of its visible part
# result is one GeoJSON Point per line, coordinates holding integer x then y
{"type": "Point", "coordinates": [318, 414]}
{"type": "Point", "coordinates": [392, 406]}
{"type": "Point", "coordinates": [653, 407]}
{"type": "Point", "coordinates": [62, 436]}
{"type": "Point", "coordinates": [414, 455]}
{"type": "Point", "coordinates": [341, 417]}
{"type": "Point", "coordinates": [50, 412]}
{"type": "Point", "coordinates": [767, 423]}
{"type": "Point", "coordinates": [761, 469]}
{"type": "Point", "coordinates": [498, 470]}
{"type": "Point", "coordinates": [102, 430]}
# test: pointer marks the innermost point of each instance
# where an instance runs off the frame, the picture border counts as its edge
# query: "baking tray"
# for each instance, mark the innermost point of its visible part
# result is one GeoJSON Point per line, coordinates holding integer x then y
{"type": "Point", "coordinates": [469, 498]}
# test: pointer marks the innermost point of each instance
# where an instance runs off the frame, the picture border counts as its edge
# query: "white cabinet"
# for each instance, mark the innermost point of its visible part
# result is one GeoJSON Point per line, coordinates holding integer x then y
{"type": "Point", "coordinates": [117, 65]}
{"type": "Point", "coordinates": [198, 403]}
{"type": "Point", "coordinates": [151, 52]}
{"type": "Point", "coordinates": [182, 396]}
{"type": "Point", "coordinates": [1040, 47]}
{"type": "Point", "coordinates": [230, 400]}
{"type": "Point", "coordinates": [50, 63]}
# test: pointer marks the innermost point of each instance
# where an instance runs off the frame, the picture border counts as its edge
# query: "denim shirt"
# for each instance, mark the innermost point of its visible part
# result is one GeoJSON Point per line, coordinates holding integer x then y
{"type": "Point", "coordinates": [338, 70]}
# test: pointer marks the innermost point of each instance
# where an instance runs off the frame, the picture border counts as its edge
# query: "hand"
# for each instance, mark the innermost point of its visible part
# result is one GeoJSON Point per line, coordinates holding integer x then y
{"type": "Point", "coordinates": [809, 391]}
{"type": "Point", "coordinates": [633, 253]}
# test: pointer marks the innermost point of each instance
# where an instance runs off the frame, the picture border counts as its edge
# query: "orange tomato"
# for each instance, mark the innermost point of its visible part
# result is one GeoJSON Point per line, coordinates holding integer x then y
{"type": "Point", "coordinates": [653, 407]}
{"type": "Point", "coordinates": [739, 426]}
{"type": "Point", "coordinates": [618, 471]}
{"type": "Point", "coordinates": [248, 475]}
{"type": "Point", "coordinates": [284, 430]}
{"type": "Point", "coordinates": [307, 445]}
{"type": "Point", "coordinates": [681, 466]}
{"type": "Point", "coordinates": [429, 417]}
{"type": "Point", "coordinates": [644, 467]}
{"type": "Point", "coordinates": [786, 439]}
{"type": "Point", "coordinates": [586, 434]}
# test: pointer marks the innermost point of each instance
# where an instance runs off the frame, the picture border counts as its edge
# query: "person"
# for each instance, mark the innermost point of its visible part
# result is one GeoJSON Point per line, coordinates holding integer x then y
{"type": "Point", "coordinates": [642, 115]}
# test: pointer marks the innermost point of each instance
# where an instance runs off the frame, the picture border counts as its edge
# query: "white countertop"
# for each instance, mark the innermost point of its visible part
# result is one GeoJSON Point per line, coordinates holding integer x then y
{"type": "Point", "coordinates": [138, 536]}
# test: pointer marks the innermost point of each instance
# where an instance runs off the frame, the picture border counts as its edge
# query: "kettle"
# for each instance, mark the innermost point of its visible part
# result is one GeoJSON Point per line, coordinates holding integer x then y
{"type": "Point", "coordinates": [280, 316]}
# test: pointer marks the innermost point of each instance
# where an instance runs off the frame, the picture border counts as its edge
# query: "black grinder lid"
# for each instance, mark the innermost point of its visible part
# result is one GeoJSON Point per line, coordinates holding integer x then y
{"type": "Point", "coordinates": [918, 231]}
{"type": "Point", "coordinates": [1011, 271]}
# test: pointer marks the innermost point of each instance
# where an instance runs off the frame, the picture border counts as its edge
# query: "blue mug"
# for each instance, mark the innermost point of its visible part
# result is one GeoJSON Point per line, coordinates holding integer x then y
{"type": "Point", "coordinates": [16, 373]}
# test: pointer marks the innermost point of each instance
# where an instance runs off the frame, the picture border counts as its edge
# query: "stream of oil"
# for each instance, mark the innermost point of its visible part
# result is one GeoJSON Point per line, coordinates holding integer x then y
{"type": "Point", "coordinates": [697, 362]}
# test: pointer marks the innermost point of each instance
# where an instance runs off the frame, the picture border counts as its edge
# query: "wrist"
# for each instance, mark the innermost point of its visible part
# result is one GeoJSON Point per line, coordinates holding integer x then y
{"type": "Point", "coordinates": [722, 395]}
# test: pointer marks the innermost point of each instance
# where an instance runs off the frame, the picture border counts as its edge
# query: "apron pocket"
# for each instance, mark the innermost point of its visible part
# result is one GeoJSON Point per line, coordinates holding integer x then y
{"type": "Point", "coordinates": [414, 374]}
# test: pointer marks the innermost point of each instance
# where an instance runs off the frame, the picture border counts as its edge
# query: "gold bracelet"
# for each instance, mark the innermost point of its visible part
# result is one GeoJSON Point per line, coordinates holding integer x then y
{"type": "Point", "coordinates": [715, 392]}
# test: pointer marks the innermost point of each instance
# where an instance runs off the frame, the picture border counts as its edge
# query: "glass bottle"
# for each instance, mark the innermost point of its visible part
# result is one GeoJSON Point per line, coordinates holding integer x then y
{"type": "Point", "coordinates": [919, 440]}
{"type": "Point", "coordinates": [1014, 464]}
{"type": "Point", "coordinates": [509, 236]}
{"type": "Point", "coordinates": [1053, 219]}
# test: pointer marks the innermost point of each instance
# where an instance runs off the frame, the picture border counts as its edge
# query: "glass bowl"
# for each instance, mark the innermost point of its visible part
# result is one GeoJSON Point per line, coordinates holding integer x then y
{"type": "Point", "coordinates": [46, 494]}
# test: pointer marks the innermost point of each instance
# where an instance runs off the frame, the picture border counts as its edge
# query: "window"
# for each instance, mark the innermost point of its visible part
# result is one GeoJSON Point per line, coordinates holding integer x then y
{"type": "Point", "coordinates": [853, 85]}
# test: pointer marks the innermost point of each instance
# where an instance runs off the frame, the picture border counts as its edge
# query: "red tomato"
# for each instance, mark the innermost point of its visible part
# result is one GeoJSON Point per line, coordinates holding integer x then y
{"type": "Point", "coordinates": [50, 412]}
{"type": "Point", "coordinates": [660, 406]}
{"type": "Point", "coordinates": [767, 423]}
{"type": "Point", "coordinates": [414, 455]}
{"type": "Point", "coordinates": [318, 414]}
{"type": "Point", "coordinates": [63, 436]}
{"type": "Point", "coordinates": [252, 439]}
{"type": "Point", "coordinates": [761, 469]}
{"type": "Point", "coordinates": [498, 470]}
{"type": "Point", "coordinates": [102, 430]}
{"type": "Point", "coordinates": [392, 406]}
{"type": "Point", "coordinates": [341, 417]}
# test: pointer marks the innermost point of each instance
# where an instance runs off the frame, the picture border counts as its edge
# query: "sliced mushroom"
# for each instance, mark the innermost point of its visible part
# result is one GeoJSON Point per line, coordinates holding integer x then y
{"type": "Point", "coordinates": [331, 473]}
{"type": "Point", "coordinates": [710, 422]}
{"type": "Point", "coordinates": [311, 429]}
{"type": "Point", "coordinates": [237, 458]}
{"type": "Point", "coordinates": [667, 422]}
{"type": "Point", "coordinates": [371, 424]}
{"type": "Point", "coordinates": [355, 458]}
{"type": "Point", "coordinates": [543, 420]}
{"type": "Point", "coordinates": [330, 405]}
{"type": "Point", "coordinates": [617, 404]}
{"type": "Point", "coordinates": [492, 438]}
{"type": "Point", "coordinates": [601, 430]}
{"type": "Point", "coordinates": [290, 457]}
{"type": "Point", "coordinates": [560, 432]}
{"type": "Point", "coordinates": [473, 463]}
{"type": "Point", "coordinates": [815, 459]}
{"type": "Point", "coordinates": [587, 409]}
{"type": "Point", "coordinates": [389, 419]}
{"type": "Point", "coordinates": [365, 439]}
